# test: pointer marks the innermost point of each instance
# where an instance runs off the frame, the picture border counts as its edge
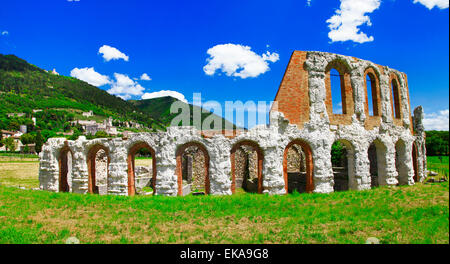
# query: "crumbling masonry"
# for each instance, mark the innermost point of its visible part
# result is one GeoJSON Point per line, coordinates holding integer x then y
{"type": "Point", "coordinates": [385, 146]}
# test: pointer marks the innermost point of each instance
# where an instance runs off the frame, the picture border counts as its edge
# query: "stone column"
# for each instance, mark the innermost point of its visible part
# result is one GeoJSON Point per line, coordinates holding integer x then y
{"type": "Point", "coordinates": [362, 180]}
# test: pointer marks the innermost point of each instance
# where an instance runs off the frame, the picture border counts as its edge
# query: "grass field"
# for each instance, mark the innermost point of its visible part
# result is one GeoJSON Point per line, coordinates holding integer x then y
{"type": "Point", "coordinates": [406, 214]}
{"type": "Point", "coordinates": [439, 164]}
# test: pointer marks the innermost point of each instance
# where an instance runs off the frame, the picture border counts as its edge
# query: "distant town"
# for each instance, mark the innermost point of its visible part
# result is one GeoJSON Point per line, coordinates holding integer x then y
{"type": "Point", "coordinates": [89, 128]}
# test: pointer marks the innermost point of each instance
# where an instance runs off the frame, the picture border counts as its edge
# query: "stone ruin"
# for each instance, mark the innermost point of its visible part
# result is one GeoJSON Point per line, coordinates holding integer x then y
{"type": "Point", "coordinates": [383, 146]}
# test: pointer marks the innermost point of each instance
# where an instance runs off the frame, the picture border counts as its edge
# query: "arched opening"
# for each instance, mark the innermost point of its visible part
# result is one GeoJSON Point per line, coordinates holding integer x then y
{"type": "Point", "coordinates": [342, 161]}
{"type": "Point", "coordinates": [192, 169]}
{"type": "Point", "coordinates": [415, 162]}
{"type": "Point", "coordinates": [141, 169]}
{"type": "Point", "coordinates": [298, 167]}
{"type": "Point", "coordinates": [337, 92]}
{"type": "Point", "coordinates": [377, 161]}
{"type": "Point", "coordinates": [65, 162]}
{"type": "Point", "coordinates": [373, 165]}
{"type": "Point", "coordinates": [246, 167]}
{"type": "Point", "coordinates": [395, 97]}
{"type": "Point", "coordinates": [98, 163]}
{"type": "Point", "coordinates": [372, 94]}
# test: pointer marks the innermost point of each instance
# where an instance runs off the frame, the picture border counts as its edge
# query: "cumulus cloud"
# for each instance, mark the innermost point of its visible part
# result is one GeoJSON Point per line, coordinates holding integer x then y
{"type": "Point", "coordinates": [238, 61]}
{"type": "Point", "coordinates": [111, 53]}
{"type": "Point", "coordinates": [90, 76]}
{"type": "Point", "coordinates": [430, 4]}
{"type": "Point", "coordinates": [344, 25]}
{"type": "Point", "coordinates": [4, 33]}
{"type": "Point", "coordinates": [125, 87]}
{"type": "Point", "coordinates": [436, 121]}
{"type": "Point", "coordinates": [145, 77]}
{"type": "Point", "coordinates": [165, 93]}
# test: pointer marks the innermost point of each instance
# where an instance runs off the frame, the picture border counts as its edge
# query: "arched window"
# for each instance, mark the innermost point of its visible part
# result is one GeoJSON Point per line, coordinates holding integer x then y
{"type": "Point", "coordinates": [246, 167]}
{"type": "Point", "coordinates": [298, 167]}
{"type": "Point", "coordinates": [98, 162]}
{"type": "Point", "coordinates": [141, 173]}
{"type": "Point", "coordinates": [372, 94]}
{"type": "Point", "coordinates": [192, 169]}
{"type": "Point", "coordinates": [65, 170]}
{"type": "Point", "coordinates": [342, 161]}
{"type": "Point", "coordinates": [395, 92]}
{"type": "Point", "coordinates": [337, 92]}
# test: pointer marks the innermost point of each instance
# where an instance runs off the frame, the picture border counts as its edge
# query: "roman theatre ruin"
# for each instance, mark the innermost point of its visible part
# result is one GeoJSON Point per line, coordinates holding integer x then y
{"type": "Point", "coordinates": [381, 143]}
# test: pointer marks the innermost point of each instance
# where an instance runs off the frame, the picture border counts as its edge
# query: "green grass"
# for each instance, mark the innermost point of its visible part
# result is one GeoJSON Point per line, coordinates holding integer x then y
{"type": "Point", "coordinates": [439, 164]}
{"type": "Point", "coordinates": [18, 155]}
{"type": "Point", "coordinates": [406, 214]}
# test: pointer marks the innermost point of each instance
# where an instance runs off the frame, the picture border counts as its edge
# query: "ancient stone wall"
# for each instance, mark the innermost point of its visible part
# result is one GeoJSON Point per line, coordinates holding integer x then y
{"type": "Point", "coordinates": [303, 98]}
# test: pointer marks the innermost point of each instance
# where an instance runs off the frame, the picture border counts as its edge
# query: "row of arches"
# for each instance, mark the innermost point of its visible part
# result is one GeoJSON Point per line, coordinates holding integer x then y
{"type": "Point", "coordinates": [246, 158]}
{"type": "Point", "coordinates": [339, 97]}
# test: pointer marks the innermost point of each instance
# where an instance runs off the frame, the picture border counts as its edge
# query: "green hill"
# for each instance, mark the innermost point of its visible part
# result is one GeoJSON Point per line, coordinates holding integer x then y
{"type": "Point", "coordinates": [159, 109]}
{"type": "Point", "coordinates": [25, 87]}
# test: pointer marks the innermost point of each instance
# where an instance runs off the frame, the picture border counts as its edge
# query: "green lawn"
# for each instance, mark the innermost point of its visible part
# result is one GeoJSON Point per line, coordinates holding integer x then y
{"type": "Point", "coordinates": [407, 214]}
{"type": "Point", "coordinates": [438, 164]}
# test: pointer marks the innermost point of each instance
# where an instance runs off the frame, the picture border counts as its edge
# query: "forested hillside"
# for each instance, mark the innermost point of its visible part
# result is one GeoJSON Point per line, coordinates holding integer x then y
{"type": "Point", "coordinates": [61, 100]}
{"type": "Point", "coordinates": [159, 109]}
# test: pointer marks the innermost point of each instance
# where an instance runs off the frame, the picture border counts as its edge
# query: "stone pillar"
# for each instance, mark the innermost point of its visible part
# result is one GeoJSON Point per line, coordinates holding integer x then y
{"type": "Point", "coordinates": [80, 176]}
{"type": "Point", "coordinates": [166, 177]}
{"type": "Point", "coordinates": [387, 172]}
{"type": "Point", "coordinates": [117, 180]}
{"type": "Point", "coordinates": [49, 167]}
{"type": "Point", "coordinates": [273, 180]}
{"type": "Point", "coordinates": [323, 172]}
{"type": "Point", "coordinates": [362, 180]}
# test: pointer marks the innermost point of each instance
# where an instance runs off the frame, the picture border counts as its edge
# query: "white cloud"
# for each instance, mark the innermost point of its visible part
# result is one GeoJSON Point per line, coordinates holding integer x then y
{"type": "Point", "coordinates": [90, 76]}
{"type": "Point", "coordinates": [145, 77]}
{"type": "Point", "coordinates": [308, 2]}
{"type": "Point", "coordinates": [4, 33]}
{"type": "Point", "coordinates": [430, 4]}
{"type": "Point", "coordinates": [111, 53]}
{"type": "Point", "coordinates": [436, 121]}
{"type": "Point", "coordinates": [124, 96]}
{"type": "Point", "coordinates": [164, 93]}
{"type": "Point", "coordinates": [344, 25]}
{"type": "Point", "coordinates": [238, 61]}
{"type": "Point", "coordinates": [125, 87]}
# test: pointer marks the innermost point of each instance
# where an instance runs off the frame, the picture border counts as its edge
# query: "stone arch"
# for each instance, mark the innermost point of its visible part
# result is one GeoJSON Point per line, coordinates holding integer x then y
{"type": "Point", "coordinates": [65, 163]}
{"type": "Point", "coordinates": [344, 171]}
{"type": "Point", "coordinates": [395, 95]}
{"type": "Point", "coordinates": [308, 185]}
{"type": "Point", "coordinates": [91, 163]}
{"type": "Point", "coordinates": [377, 158]}
{"type": "Point", "coordinates": [179, 169]}
{"type": "Point", "coordinates": [346, 93]}
{"type": "Point", "coordinates": [415, 156]}
{"type": "Point", "coordinates": [260, 158]}
{"type": "Point", "coordinates": [132, 168]}
{"type": "Point", "coordinates": [373, 75]}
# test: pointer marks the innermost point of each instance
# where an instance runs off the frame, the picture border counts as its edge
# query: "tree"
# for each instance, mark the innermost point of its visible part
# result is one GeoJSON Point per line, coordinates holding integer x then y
{"type": "Point", "coordinates": [39, 141]}
{"type": "Point", "coordinates": [27, 139]}
{"type": "Point", "coordinates": [75, 135]}
{"type": "Point", "coordinates": [9, 144]}
{"type": "Point", "coordinates": [101, 134]}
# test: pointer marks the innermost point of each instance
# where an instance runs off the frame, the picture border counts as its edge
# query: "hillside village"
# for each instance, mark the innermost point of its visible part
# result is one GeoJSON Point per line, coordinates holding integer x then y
{"type": "Point", "coordinates": [89, 128]}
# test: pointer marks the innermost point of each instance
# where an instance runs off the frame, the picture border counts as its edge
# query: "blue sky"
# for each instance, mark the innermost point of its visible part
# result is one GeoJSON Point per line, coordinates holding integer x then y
{"type": "Point", "coordinates": [169, 41]}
